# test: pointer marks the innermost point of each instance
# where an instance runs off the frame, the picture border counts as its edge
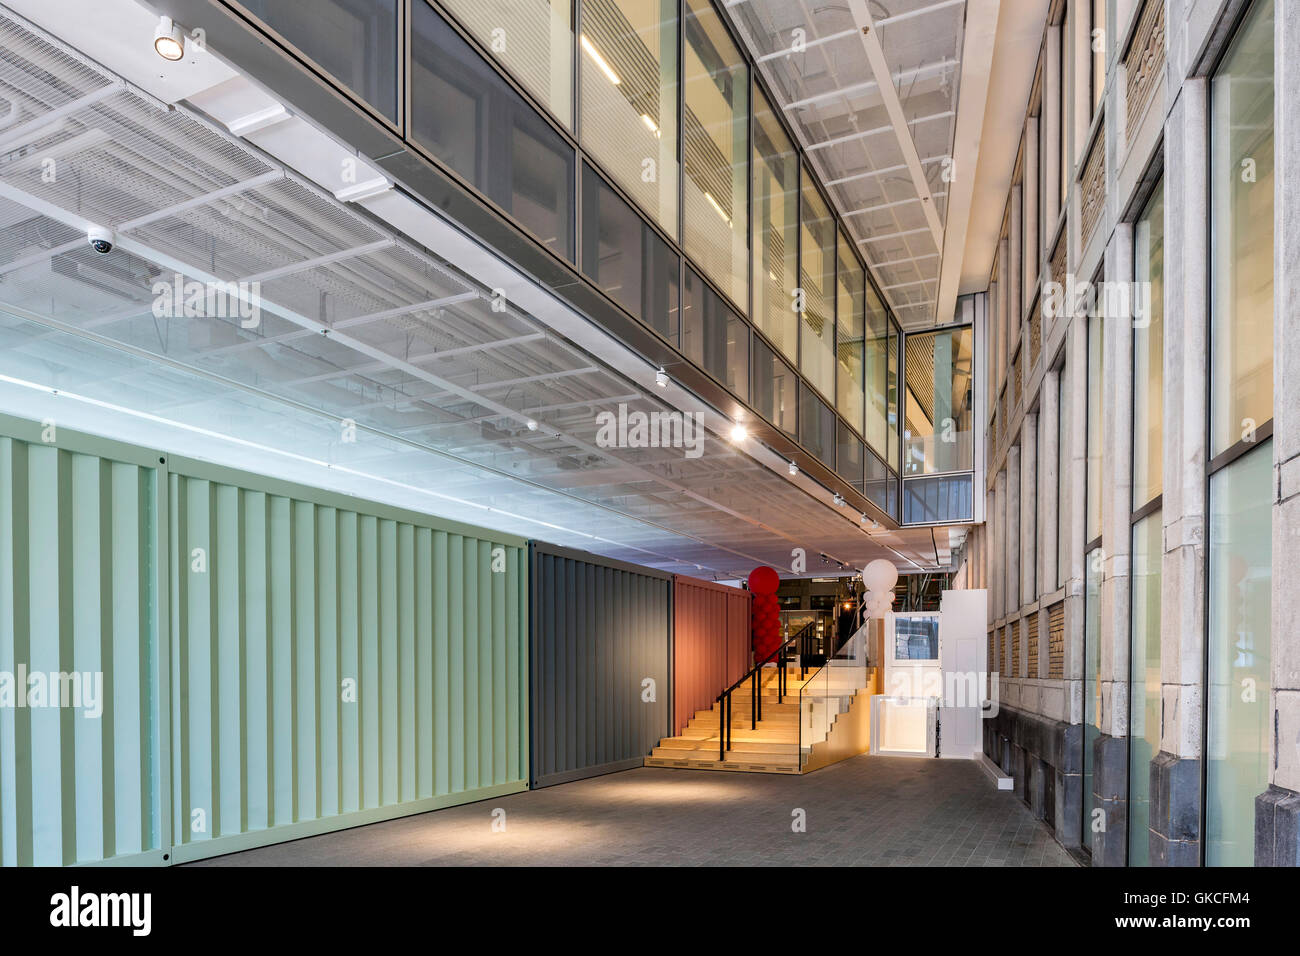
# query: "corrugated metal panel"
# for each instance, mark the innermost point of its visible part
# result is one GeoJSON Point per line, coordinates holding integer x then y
{"type": "Point", "coordinates": [711, 643]}
{"type": "Point", "coordinates": [78, 594]}
{"type": "Point", "coordinates": [600, 629]}
{"type": "Point", "coordinates": [281, 598]}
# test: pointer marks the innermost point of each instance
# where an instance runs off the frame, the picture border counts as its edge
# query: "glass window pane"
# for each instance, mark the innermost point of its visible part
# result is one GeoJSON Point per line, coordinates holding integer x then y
{"type": "Point", "coordinates": [1240, 585]}
{"type": "Point", "coordinates": [354, 41]}
{"type": "Point", "coordinates": [1098, 40]}
{"type": "Point", "coordinates": [627, 98]}
{"type": "Point", "coordinates": [1148, 349]}
{"type": "Point", "coordinates": [938, 433]}
{"type": "Point", "coordinates": [1063, 90]}
{"type": "Point", "coordinates": [626, 258]}
{"type": "Point", "coordinates": [1062, 460]}
{"type": "Point", "coordinates": [816, 426]}
{"type": "Point", "coordinates": [942, 498]}
{"type": "Point", "coordinates": [714, 337]}
{"type": "Point", "coordinates": [1144, 690]}
{"type": "Point", "coordinates": [774, 389]}
{"type": "Point", "coordinates": [1093, 566]}
{"type": "Point", "coordinates": [715, 137]}
{"type": "Point", "coordinates": [877, 373]}
{"type": "Point", "coordinates": [817, 283]}
{"type": "Point", "coordinates": [1241, 158]}
{"type": "Point", "coordinates": [470, 118]}
{"type": "Point", "coordinates": [891, 398]}
{"type": "Point", "coordinates": [848, 457]}
{"type": "Point", "coordinates": [1096, 488]}
{"type": "Point", "coordinates": [851, 281]}
{"type": "Point", "coordinates": [881, 486]}
{"type": "Point", "coordinates": [533, 40]}
{"type": "Point", "coordinates": [776, 225]}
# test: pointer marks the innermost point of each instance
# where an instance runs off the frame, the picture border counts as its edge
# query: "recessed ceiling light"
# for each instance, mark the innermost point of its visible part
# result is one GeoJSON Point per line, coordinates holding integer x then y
{"type": "Point", "coordinates": [168, 40]}
{"type": "Point", "coordinates": [661, 378]}
{"type": "Point", "coordinates": [739, 433]}
{"type": "Point", "coordinates": [532, 425]}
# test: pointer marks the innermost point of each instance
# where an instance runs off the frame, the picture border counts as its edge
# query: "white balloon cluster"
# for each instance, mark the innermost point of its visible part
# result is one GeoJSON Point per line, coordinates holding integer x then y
{"type": "Point", "coordinates": [879, 578]}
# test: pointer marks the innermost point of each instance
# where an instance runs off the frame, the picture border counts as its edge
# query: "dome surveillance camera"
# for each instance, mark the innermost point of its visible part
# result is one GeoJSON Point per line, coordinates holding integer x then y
{"type": "Point", "coordinates": [100, 239]}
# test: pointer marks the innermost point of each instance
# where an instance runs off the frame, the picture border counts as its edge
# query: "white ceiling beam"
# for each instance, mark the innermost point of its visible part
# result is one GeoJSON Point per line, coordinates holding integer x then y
{"type": "Point", "coordinates": [977, 55]}
{"type": "Point", "coordinates": [902, 76]}
{"type": "Point", "coordinates": [884, 170]}
{"type": "Point", "coordinates": [894, 107]}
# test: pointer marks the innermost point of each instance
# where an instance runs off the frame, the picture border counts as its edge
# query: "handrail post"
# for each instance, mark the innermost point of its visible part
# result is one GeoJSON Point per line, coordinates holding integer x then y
{"type": "Point", "coordinates": [722, 740]}
{"type": "Point", "coordinates": [728, 721]}
{"type": "Point", "coordinates": [753, 701]}
{"type": "Point", "coordinates": [758, 698]}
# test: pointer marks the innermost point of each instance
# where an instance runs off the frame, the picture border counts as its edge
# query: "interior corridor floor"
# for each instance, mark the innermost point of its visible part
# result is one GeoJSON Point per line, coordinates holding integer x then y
{"type": "Point", "coordinates": [866, 811]}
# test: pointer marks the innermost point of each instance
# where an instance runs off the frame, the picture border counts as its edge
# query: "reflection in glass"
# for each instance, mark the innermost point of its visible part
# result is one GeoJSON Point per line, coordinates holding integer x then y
{"type": "Point", "coordinates": [471, 119]}
{"type": "Point", "coordinates": [627, 98]}
{"type": "Point", "coordinates": [817, 283]}
{"type": "Point", "coordinates": [715, 137]}
{"type": "Point", "coordinates": [816, 425]}
{"type": "Point", "coordinates": [354, 41]}
{"type": "Point", "coordinates": [941, 498]}
{"type": "Point", "coordinates": [1148, 350]}
{"type": "Point", "coordinates": [1238, 727]}
{"type": "Point", "coordinates": [1094, 563]}
{"type": "Point", "coordinates": [916, 638]}
{"type": "Point", "coordinates": [851, 281]}
{"type": "Point", "coordinates": [848, 457]}
{"type": "Point", "coordinates": [533, 40]}
{"type": "Point", "coordinates": [776, 230]}
{"type": "Point", "coordinates": [939, 428]}
{"type": "Point", "coordinates": [714, 337]}
{"type": "Point", "coordinates": [1144, 688]}
{"type": "Point", "coordinates": [1241, 178]}
{"type": "Point", "coordinates": [774, 388]}
{"type": "Point", "coordinates": [626, 258]}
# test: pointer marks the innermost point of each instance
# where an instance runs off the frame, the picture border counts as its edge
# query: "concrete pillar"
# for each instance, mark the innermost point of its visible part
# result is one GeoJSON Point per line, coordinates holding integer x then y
{"type": "Point", "coordinates": [1277, 810]}
{"type": "Point", "coordinates": [1013, 530]}
{"type": "Point", "coordinates": [1029, 513]}
{"type": "Point", "coordinates": [1032, 249]}
{"type": "Point", "coordinates": [1110, 749]}
{"type": "Point", "coordinates": [1016, 283]}
{"type": "Point", "coordinates": [1051, 115]}
{"type": "Point", "coordinates": [999, 556]}
{"type": "Point", "coordinates": [1048, 460]}
{"type": "Point", "coordinates": [1176, 769]}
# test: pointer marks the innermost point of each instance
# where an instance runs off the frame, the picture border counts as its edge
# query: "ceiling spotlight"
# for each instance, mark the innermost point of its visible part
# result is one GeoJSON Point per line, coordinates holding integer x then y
{"type": "Point", "coordinates": [875, 525]}
{"type": "Point", "coordinates": [839, 500]}
{"type": "Point", "coordinates": [168, 40]}
{"type": "Point", "coordinates": [661, 378]}
{"type": "Point", "coordinates": [864, 519]}
{"type": "Point", "coordinates": [532, 425]}
{"type": "Point", "coordinates": [739, 433]}
{"type": "Point", "coordinates": [793, 469]}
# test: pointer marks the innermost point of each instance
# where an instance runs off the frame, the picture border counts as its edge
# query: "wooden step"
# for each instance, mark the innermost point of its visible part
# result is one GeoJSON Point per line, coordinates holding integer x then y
{"type": "Point", "coordinates": [688, 744]}
{"type": "Point", "coordinates": [756, 763]}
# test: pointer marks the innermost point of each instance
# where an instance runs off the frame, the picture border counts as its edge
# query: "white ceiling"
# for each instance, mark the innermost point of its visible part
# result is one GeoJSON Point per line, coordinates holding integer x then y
{"type": "Point", "coordinates": [360, 321]}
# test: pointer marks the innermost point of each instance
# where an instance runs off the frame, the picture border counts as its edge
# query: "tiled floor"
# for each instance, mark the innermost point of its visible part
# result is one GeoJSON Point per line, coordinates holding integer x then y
{"type": "Point", "coordinates": [871, 811]}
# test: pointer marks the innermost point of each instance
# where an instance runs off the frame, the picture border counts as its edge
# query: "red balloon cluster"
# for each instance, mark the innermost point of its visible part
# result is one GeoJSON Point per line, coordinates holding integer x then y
{"type": "Point", "coordinates": [766, 629]}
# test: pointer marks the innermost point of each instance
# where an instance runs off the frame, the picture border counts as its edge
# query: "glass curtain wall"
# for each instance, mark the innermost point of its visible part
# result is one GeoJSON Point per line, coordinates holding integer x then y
{"type": "Point", "coordinates": [817, 232]}
{"type": "Point", "coordinates": [775, 389]}
{"type": "Point", "coordinates": [851, 282]}
{"type": "Point", "coordinates": [891, 394]}
{"type": "Point", "coordinates": [1241, 399]}
{"type": "Point", "coordinates": [776, 230]}
{"type": "Point", "coordinates": [715, 141]}
{"type": "Point", "coordinates": [534, 41]}
{"type": "Point", "coordinates": [714, 337]}
{"type": "Point", "coordinates": [877, 373]}
{"type": "Point", "coordinates": [627, 98]}
{"type": "Point", "coordinates": [938, 431]}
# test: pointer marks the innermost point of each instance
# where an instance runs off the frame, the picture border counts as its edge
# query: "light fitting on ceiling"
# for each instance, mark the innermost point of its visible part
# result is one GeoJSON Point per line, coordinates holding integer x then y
{"type": "Point", "coordinates": [793, 469]}
{"type": "Point", "coordinates": [168, 40]}
{"type": "Point", "coordinates": [839, 500]}
{"type": "Point", "coordinates": [661, 378]}
{"type": "Point", "coordinates": [864, 519]}
{"type": "Point", "coordinates": [532, 425]}
{"type": "Point", "coordinates": [739, 433]}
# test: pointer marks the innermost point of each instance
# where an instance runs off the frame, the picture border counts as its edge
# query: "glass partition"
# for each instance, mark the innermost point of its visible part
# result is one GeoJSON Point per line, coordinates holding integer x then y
{"type": "Point", "coordinates": [816, 425]}
{"type": "Point", "coordinates": [850, 284]}
{"type": "Point", "coordinates": [817, 284]}
{"type": "Point", "coordinates": [627, 259]}
{"type": "Point", "coordinates": [715, 142]}
{"type": "Point", "coordinates": [467, 116]}
{"type": "Point", "coordinates": [627, 98]}
{"type": "Point", "coordinates": [1241, 193]}
{"type": "Point", "coordinates": [534, 41]}
{"type": "Point", "coordinates": [776, 230]}
{"type": "Point", "coordinates": [354, 41]}
{"type": "Point", "coordinates": [775, 384]}
{"type": "Point", "coordinates": [714, 337]}
{"type": "Point", "coordinates": [939, 431]}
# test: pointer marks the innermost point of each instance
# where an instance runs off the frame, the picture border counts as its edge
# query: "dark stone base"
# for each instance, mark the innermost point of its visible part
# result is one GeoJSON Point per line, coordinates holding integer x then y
{"type": "Point", "coordinates": [1175, 810]}
{"type": "Point", "coordinates": [1045, 757]}
{"type": "Point", "coordinates": [1110, 795]}
{"type": "Point", "coordinates": [1277, 827]}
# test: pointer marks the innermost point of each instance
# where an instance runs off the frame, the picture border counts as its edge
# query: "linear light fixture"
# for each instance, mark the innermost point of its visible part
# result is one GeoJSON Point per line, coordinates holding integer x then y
{"type": "Point", "coordinates": [714, 203]}
{"type": "Point", "coordinates": [599, 60]}
{"type": "Point", "coordinates": [650, 124]}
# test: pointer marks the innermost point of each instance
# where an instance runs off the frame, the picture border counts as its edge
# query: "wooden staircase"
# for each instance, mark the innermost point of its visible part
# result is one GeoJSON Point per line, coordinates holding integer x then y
{"type": "Point", "coordinates": [770, 747]}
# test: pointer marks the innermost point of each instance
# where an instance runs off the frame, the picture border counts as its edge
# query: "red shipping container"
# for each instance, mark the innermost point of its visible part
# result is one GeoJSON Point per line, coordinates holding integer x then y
{"type": "Point", "coordinates": [711, 646]}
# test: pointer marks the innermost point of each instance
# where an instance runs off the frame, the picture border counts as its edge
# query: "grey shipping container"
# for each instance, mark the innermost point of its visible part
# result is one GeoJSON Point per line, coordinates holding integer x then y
{"type": "Point", "coordinates": [601, 652]}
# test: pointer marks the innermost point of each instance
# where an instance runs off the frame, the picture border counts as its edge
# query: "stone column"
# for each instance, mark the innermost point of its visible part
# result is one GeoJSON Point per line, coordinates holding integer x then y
{"type": "Point", "coordinates": [1028, 515]}
{"type": "Point", "coordinates": [1013, 531]}
{"type": "Point", "coordinates": [1277, 810]}
{"type": "Point", "coordinates": [1176, 770]}
{"type": "Point", "coordinates": [1048, 461]}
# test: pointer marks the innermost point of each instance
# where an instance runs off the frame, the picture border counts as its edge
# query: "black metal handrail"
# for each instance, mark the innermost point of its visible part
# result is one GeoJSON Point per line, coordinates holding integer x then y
{"type": "Point", "coordinates": [756, 700]}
